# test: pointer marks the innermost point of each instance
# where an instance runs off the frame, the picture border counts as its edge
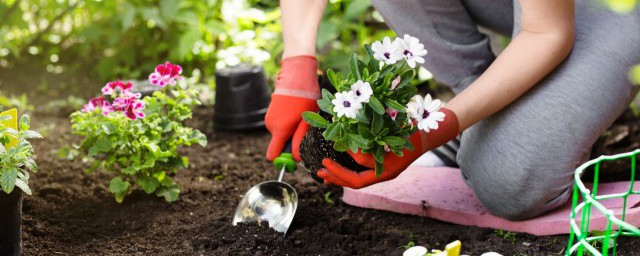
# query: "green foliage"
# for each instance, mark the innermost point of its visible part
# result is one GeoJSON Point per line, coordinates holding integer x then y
{"type": "Point", "coordinates": [373, 131]}
{"type": "Point", "coordinates": [621, 6]}
{"type": "Point", "coordinates": [142, 152]}
{"type": "Point", "coordinates": [124, 35]}
{"type": "Point", "coordinates": [506, 235]}
{"type": "Point", "coordinates": [15, 162]}
{"type": "Point", "coordinates": [12, 101]}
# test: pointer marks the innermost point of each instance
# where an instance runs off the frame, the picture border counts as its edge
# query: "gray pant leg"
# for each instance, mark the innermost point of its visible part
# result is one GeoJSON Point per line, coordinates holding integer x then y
{"type": "Point", "coordinates": [458, 53]}
{"type": "Point", "coordinates": [520, 161]}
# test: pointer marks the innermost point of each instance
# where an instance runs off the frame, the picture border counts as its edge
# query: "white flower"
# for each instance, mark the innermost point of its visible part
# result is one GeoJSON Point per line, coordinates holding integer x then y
{"type": "Point", "coordinates": [491, 254]}
{"type": "Point", "coordinates": [346, 104]}
{"type": "Point", "coordinates": [411, 49]}
{"type": "Point", "coordinates": [362, 90]}
{"type": "Point", "coordinates": [425, 112]}
{"type": "Point", "coordinates": [386, 51]}
{"type": "Point", "coordinates": [415, 251]}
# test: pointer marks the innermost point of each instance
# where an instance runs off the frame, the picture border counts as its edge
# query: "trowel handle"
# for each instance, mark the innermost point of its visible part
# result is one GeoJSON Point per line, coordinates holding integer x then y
{"type": "Point", "coordinates": [286, 159]}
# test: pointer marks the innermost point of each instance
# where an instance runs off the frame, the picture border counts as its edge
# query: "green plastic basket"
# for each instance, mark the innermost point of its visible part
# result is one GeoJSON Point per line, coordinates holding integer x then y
{"type": "Point", "coordinates": [580, 240]}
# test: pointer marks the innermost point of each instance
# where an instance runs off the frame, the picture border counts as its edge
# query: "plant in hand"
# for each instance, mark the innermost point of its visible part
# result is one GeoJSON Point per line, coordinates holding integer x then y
{"type": "Point", "coordinates": [374, 107]}
{"type": "Point", "coordinates": [16, 160]}
{"type": "Point", "coordinates": [138, 138]}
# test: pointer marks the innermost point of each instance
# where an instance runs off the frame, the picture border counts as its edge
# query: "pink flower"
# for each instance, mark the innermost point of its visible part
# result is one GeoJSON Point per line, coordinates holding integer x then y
{"type": "Point", "coordinates": [93, 104]}
{"type": "Point", "coordinates": [134, 111]}
{"type": "Point", "coordinates": [166, 74]}
{"type": "Point", "coordinates": [395, 83]}
{"type": "Point", "coordinates": [98, 102]}
{"type": "Point", "coordinates": [121, 104]}
{"type": "Point", "coordinates": [111, 87]}
{"type": "Point", "coordinates": [106, 108]}
{"type": "Point", "coordinates": [392, 113]}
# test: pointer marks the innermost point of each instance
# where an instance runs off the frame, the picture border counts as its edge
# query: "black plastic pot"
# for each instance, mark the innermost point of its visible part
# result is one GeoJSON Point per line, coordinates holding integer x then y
{"type": "Point", "coordinates": [242, 98]}
{"type": "Point", "coordinates": [10, 222]}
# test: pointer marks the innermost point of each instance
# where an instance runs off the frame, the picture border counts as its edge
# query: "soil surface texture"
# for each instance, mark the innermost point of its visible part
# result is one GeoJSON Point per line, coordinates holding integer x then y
{"type": "Point", "coordinates": [72, 213]}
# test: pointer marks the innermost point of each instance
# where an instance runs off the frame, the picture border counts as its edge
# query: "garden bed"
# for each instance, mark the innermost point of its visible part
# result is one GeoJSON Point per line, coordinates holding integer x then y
{"type": "Point", "coordinates": [72, 213]}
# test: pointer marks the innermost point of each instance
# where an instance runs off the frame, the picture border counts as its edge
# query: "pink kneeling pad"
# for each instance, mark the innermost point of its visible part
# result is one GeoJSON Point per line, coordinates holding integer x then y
{"type": "Point", "coordinates": [440, 193]}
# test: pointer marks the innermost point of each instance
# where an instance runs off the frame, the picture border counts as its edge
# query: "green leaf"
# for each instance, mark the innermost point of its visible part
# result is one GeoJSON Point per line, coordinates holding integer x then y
{"type": "Point", "coordinates": [29, 134]}
{"type": "Point", "coordinates": [101, 145]}
{"type": "Point", "coordinates": [376, 105]}
{"type": "Point", "coordinates": [119, 188]}
{"type": "Point", "coordinates": [373, 63]}
{"type": "Point", "coordinates": [169, 194]}
{"type": "Point", "coordinates": [358, 139]}
{"type": "Point", "coordinates": [325, 102]}
{"type": "Point", "coordinates": [148, 184]}
{"type": "Point", "coordinates": [394, 105]}
{"type": "Point", "coordinates": [332, 132]}
{"type": "Point", "coordinates": [109, 128]}
{"type": "Point", "coordinates": [362, 116]}
{"type": "Point", "coordinates": [405, 78]}
{"type": "Point", "coordinates": [23, 186]}
{"type": "Point", "coordinates": [198, 137]}
{"type": "Point", "coordinates": [377, 124]}
{"type": "Point", "coordinates": [25, 122]}
{"type": "Point", "coordinates": [394, 141]}
{"type": "Point", "coordinates": [332, 78]}
{"type": "Point", "coordinates": [353, 65]}
{"type": "Point", "coordinates": [314, 119]}
{"type": "Point", "coordinates": [366, 133]}
{"type": "Point", "coordinates": [341, 145]}
{"type": "Point", "coordinates": [8, 179]}
{"type": "Point", "coordinates": [379, 169]}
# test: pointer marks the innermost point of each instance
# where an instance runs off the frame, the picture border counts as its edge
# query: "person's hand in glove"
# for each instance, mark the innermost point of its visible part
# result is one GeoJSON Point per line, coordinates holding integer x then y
{"type": "Point", "coordinates": [336, 174]}
{"type": "Point", "coordinates": [296, 91]}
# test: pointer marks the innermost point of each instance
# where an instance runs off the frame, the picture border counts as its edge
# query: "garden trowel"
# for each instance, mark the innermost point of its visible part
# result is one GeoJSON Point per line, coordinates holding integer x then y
{"type": "Point", "coordinates": [272, 201]}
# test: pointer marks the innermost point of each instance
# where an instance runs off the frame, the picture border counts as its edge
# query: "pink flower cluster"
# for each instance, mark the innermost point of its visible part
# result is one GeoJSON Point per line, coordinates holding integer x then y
{"type": "Point", "coordinates": [165, 74]}
{"type": "Point", "coordinates": [126, 101]}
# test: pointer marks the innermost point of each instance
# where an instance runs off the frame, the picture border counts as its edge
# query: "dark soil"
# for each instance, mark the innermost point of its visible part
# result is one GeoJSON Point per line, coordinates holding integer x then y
{"type": "Point", "coordinates": [72, 213]}
{"type": "Point", "coordinates": [314, 148]}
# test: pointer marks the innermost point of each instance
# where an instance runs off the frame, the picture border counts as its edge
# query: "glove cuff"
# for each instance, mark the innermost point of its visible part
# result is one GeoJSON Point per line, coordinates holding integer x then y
{"type": "Point", "coordinates": [298, 77]}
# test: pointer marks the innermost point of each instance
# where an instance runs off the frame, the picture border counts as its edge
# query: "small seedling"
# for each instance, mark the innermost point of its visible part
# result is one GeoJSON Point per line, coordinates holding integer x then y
{"type": "Point", "coordinates": [506, 235]}
{"type": "Point", "coordinates": [327, 197]}
{"type": "Point", "coordinates": [411, 243]}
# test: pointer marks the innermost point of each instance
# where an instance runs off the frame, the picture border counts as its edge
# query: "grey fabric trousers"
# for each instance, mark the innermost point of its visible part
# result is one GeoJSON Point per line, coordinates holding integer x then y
{"type": "Point", "coordinates": [520, 161]}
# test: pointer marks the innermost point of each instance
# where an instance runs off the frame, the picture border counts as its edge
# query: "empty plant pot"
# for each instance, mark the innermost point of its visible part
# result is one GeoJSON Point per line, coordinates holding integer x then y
{"type": "Point", "coordinates": [242, 98]}
{"type": "Point", "coordinates": [10, 222]}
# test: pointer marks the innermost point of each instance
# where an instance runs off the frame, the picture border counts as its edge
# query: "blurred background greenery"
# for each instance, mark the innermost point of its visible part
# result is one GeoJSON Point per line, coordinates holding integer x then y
{"type": "Point", "coordinates": [62, 49]}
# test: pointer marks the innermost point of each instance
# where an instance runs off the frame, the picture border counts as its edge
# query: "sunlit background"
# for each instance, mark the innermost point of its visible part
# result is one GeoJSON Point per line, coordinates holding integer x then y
{"type": "Point", "coordinates": [63, 50]}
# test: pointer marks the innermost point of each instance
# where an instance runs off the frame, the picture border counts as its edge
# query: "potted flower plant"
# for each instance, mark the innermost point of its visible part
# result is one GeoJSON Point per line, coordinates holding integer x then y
{"type": "Point", "coordinates": [369, 107]}
{"type": "Point", "coordinates": [138, 138]}
{"type": "Point", "coordinates": [16, 159]}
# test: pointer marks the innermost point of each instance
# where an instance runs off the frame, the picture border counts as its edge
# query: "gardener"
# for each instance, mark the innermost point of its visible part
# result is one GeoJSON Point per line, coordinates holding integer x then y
{"type": "Point", "coordinates": [529, 116]}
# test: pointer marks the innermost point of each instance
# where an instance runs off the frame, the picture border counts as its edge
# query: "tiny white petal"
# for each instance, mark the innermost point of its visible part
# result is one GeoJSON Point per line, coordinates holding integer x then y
{"type": "Point", "coordinates": [415, 251]}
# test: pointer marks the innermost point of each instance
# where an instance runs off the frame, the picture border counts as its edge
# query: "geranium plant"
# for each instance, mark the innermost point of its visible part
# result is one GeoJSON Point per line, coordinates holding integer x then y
{"type": "Point", "coordinates": [375, 107]}
{"type": "Point", "coordinates": [16, 154]}
{"type": "Point", "coordinates": [138, 138]}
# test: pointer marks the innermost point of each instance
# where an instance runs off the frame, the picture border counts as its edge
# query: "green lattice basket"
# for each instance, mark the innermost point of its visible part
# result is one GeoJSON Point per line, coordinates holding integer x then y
{"type": "Point", "coordinates": [581, 240]}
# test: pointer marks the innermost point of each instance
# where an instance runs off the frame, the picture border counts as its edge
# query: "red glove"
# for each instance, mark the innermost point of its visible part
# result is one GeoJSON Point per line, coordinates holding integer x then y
{"type": "Point", "coordinates": [336, 174]}
{"type": "Point", "coordinates": [297, 91]}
